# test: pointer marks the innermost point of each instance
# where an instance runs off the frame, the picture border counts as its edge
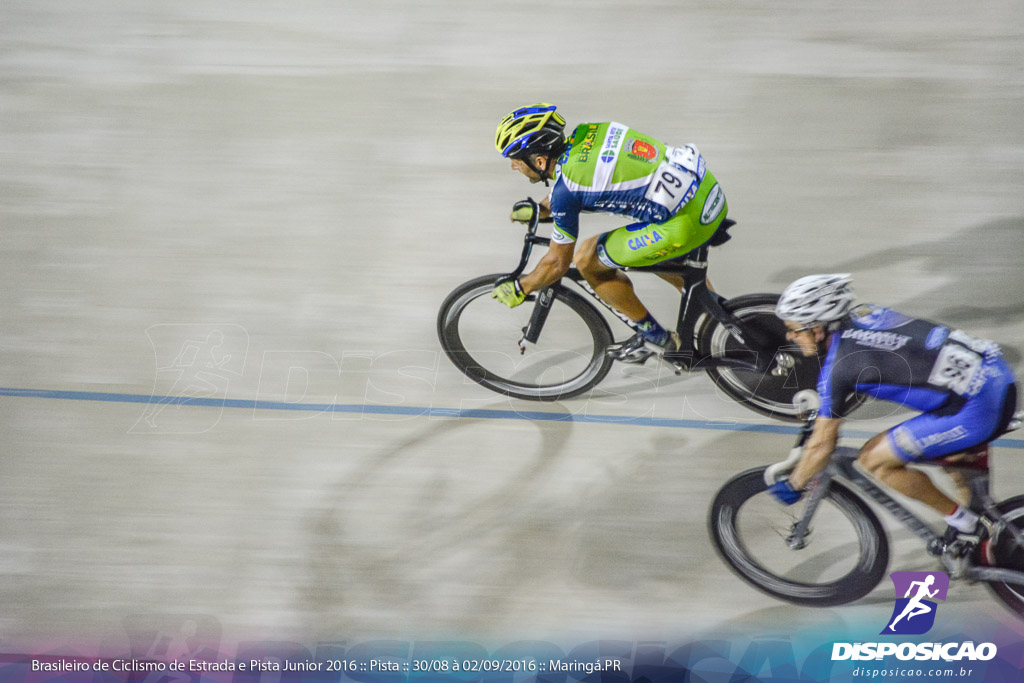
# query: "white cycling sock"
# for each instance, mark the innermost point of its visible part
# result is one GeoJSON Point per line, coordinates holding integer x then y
{"type": "Point", "coordinates": [962, 519]}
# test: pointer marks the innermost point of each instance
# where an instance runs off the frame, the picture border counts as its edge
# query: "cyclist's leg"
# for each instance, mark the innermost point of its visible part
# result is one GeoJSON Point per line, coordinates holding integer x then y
{"type": "Point", "coordinates": [883, 461]}
{"type": "Point", "coordinates": [610, 283]}
{"type": "Point", "coordinates": [938, 434]}
{"type": "Point", "coordinates": [640, 244]}
{"type": "Point", "coordinates": [601, 259]}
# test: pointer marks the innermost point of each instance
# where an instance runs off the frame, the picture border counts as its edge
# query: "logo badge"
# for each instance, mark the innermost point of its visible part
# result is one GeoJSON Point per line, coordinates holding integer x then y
{"type": "Point", "coordinates": [936, 337]}
{"type": "Point", "coordinates": [914, 612]}
{"type": "Point", "coordinates": [612, 143]}
{"type": "Point", "coordinates": [641, 150]}
{"type": "Point", "coordinates": [712, 205]}
{"type": "Point", "coordinates": [602, 256]}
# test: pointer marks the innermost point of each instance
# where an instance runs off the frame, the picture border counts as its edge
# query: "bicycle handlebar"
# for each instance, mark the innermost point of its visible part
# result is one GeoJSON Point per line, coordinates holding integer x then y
{"type": "Point", "coordinates": [529, 240]}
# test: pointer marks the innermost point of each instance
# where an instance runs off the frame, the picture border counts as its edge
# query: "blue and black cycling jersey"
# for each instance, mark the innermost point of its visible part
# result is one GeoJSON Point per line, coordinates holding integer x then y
{"type": "Point", "coordinates": [910, 361]}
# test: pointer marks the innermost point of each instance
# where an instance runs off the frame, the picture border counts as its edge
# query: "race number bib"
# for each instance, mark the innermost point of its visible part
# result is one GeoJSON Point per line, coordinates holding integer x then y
{"type": "Point", "coordinates": [677, 178]}
{"type": "Point", "coordinates": [956, 368]}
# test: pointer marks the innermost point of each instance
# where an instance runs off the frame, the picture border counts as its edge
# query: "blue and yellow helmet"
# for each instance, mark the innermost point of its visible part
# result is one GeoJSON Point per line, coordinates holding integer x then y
{"type": "Point", "coordinates": [536, 129]}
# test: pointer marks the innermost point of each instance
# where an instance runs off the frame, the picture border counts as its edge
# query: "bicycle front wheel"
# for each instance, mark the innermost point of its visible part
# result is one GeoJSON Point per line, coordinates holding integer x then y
{"type": "Point", "coordinates": [481, 337]}
{"type": "Point", "coordinates": [841, 559]}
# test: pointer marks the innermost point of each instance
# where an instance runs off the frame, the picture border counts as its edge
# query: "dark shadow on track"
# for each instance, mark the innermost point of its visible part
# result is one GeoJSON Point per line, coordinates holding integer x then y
{"type": "Point", "coordinates": [446, 525]}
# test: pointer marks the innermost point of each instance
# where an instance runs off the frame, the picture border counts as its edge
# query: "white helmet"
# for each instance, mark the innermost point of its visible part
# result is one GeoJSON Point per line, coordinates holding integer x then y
{"type": "Point", "coordinates": [816, 299]}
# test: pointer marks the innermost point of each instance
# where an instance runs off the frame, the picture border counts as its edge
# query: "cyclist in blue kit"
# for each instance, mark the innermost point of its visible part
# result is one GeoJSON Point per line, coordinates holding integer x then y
{"type": "Point", "coordinates": [963, 388]}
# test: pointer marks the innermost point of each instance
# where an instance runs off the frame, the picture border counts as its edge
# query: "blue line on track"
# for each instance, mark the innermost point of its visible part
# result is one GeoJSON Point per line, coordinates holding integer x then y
{"type": "Point", "coordinates": [481, 413]}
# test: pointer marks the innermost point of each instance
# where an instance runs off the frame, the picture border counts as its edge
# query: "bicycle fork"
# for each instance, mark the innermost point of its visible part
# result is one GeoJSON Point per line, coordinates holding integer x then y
{"type": "Point", "coordinates": [541, 309]}
{"type": "Point", "coordinates": [797, 539]}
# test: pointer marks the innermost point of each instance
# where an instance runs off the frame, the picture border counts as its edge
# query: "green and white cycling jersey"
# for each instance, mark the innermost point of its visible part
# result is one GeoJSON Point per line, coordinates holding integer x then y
{"type": "Point", "coordinates": [612, 168]}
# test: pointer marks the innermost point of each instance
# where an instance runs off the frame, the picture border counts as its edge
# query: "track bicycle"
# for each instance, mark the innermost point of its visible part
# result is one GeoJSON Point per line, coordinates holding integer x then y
{"type": "Point", "coordinates": [831, 549]}
{"type": "Point", "coordinates": [556, 348]}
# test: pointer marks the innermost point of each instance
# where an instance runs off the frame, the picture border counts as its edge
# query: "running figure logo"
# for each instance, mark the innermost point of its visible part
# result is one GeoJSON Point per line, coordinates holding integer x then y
{"type": "Point", "coordinates": [195, 365]}
{"type": "Point", "coordinates": [914, 613]}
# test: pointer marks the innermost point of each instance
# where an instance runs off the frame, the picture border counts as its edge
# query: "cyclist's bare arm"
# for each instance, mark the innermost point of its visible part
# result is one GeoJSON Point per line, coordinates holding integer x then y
{"type": "Point", "coordinates": [816, 452]}
{"type": "Point", "coordinates": [550, 268]}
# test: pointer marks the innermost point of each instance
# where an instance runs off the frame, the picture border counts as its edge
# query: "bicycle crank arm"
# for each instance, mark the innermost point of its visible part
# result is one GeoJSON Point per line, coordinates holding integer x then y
{"type": "Point", "coordinates": [683, 362]}
{"type": "Point", "coordinates": [727, 362]}
{"type": "Point", "coordinates": [778, 364]}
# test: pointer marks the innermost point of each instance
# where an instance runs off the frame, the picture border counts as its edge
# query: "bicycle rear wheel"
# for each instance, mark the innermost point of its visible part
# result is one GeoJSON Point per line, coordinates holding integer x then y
{"type": "Point", "coordinates": [1007, 554]}
{"type": "Point", "coordinates": [764, 392]}
{"type": "Point", "coordinates": [481, 337]}
{"type": "Point", "coordinates": [844, 557]}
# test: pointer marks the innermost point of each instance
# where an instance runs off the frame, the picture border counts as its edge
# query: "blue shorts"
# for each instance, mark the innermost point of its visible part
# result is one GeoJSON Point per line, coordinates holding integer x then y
{"type": "Point", "coordinates": [981, 418]}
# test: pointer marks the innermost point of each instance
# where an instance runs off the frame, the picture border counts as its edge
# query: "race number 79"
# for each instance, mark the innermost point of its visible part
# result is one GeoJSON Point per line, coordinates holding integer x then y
{"type": "Point", "coordinates": [666, 182]}
{"type": "Point", "coordinates": [671, 188]}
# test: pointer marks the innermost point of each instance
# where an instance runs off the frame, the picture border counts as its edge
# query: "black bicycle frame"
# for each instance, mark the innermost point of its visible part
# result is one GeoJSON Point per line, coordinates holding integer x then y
{"type": "Point", "coordinates": [697, 300]}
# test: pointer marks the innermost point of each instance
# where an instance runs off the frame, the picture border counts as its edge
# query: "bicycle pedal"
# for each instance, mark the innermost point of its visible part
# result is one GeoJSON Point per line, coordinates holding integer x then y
{"type": "Point", "coordinates": [681, 359]}
{"type": "Point", "coordinates": [678, 367]}
{"type": "Point", "coordinates": [954, 545]}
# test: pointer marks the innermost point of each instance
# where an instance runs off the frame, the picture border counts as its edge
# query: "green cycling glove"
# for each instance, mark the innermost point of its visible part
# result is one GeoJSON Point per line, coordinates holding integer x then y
{"type": "Point", "coordinates": [509, 293]}
{"type": "Point", "coordinates": [524, 210]}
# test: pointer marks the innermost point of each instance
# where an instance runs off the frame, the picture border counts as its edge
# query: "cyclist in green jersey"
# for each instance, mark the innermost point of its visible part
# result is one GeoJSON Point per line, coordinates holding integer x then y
{"type": "Point", "coordinates": [609, 167]}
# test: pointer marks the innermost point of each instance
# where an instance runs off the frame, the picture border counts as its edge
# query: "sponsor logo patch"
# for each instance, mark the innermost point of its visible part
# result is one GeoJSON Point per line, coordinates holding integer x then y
{"type": "Point", "coordinates": [953, 434]}
{"type": "Point", "coordinates": [936, 337]}
{"type": "Point", "coordinates": [905, 441]}
{"type": "Point", "coordinates": [713, 205]}
{"type": "Point", "coordinates": [642, 151]}
{"type": "Point", "coordinates": [644, 240]}
{"type": "Point", "coordinates": [887, 341]}
{"type": "Point", "coordinates": [611, 144]}
{"type": "Point", "coordinates": [588, 143]}
{"type": "Point", "coordinates": [602, 256]}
